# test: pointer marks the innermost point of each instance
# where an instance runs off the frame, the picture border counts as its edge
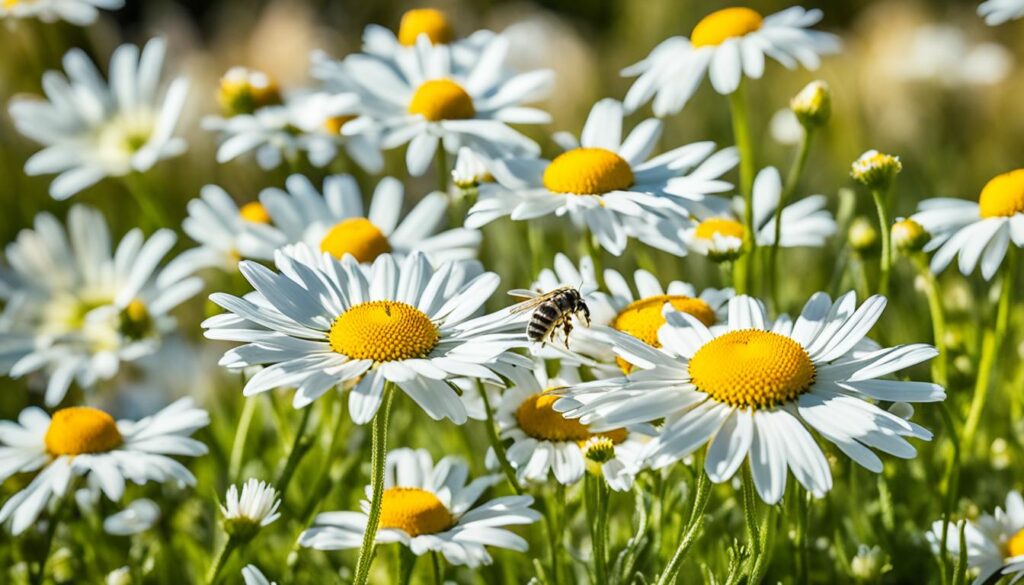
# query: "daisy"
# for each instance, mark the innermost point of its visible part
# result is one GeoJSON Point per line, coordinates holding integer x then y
{"type": "Point", "coordinates": [252, 575]}
{"type": "Point", "coordinates": [423, 99]}
{"type": "Point", "coordinates": [981, 231]}
{"type": "Point", "coordinates": [247, 512]}
{"type": "Point", "coordinates": [719, 231]}
{"type": "Point", "coordinates": [77, 12]}
{"type": "Point", "coordinates": [600, 181]}
{"type": "Point", "coordinates": [321, 323]}
{"type": "Point", "coordinates": [336, 222]}
{"type": "Point", "coordinates": [86, 442]}
{"type": "Point", "coordinates": [995, 542]}
{"type": "Point", "coordinates": [544, 442]}
{"type": "Point", "coordinates": [996, 12]}
{"type": "Point", "coordinates": [748, 391]}
{"type": "Point", "coordinates": [77, 309]}
{"type": "Point", "coordinates": [92, 129]}
{"type": "Point", "coordinates": [726, 44]}
{"type": "Point", "coordinates": [429, 23]}
{"type": "Point", "coordinates": [430, 508]}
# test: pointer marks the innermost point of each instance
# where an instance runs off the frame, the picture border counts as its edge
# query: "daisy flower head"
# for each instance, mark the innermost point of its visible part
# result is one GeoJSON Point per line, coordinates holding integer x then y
{"type": "Point", "coordinates": [247, 512]}
{"type": "Point", "coordinates": [430, 508]}
{"type": "Point", "coordinates": [546, 443]}
{"type": "Point", "coordinates": [91, 129]}
{"type": "Point", "coordinates": [77, 308]}
{"type": "Point", "coordinates": [77, 12]}
{"type": "Point", "coordinates": [996, 12]}
{"type": "Point", "coordinates": [752, 389]}
{"type": "Point", "coordinates": [995, 542]}
{"type": "Point", "coordinates": [728, 44]}
{"type": "Point", "coordinates": [431, 24]}
{"type": "Point", "coordinates": [423, 99]}
{"type": "Point", "coordinates": [336, 222]}
{"type": "Point", "coordinates": [87, 442]}
{"type": "Point", "coordinates": [718, 231]}
{"type": "Point", "coordinates": [599, 181]}
{"type": "Point", "coordinates": [471, 169]}
{"type": "Point", "coordinates": [319, 323]}
{"type": "Point", "coordinates": [908, 236]}
{"type": "Point", "coordinates": [876, 170]}
{"type": "Point", "coordinates": [977, 233]}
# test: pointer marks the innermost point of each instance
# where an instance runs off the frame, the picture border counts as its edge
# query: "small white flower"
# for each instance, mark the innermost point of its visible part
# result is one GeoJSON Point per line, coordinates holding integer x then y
{"type": "Point", "coordinates": [433, 25]}
{"type": "Point", "coordinates": [996, 12]}
{"type": "Point", "coordinates": [138, 516]}
{"type": "Point", "coordinates": [254, 508]}
{"type": "Point", "coordinates": [252, 575]}
{"type": "Point", "coordinates": [77, 12]}
{"type": "Point", "coordinates": [471, 169]}
{"type": "Point", "coordinates": [995, 542]}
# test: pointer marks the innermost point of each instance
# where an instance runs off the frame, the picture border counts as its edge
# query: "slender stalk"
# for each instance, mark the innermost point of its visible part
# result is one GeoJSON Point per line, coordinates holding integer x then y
{"type": "Point", "coordinates": [438, 568]}
{"type": "Point", "coordinates": [38, 577]}
{"type": "Point", "coordinates": [220, 559]}
{"type": "Point", "coordinates": [553, 523]}
{"type": "Point", "coordinates": [378, 455]}
{"type": "Point", "coordinates": [597, 514]}
{"type": "Point", "coordinates": [990, 345]}
{"type": "Point", "coordinates": [241, 433]}
{"type": "Point", "coordinates": [796, 170]}
{"type": "Point", "coordinates": [406, 563]}
{"type": "Point", "coordinates": [300, 445]}
{"type": "Point", "coordinates": [497, 445]}
{"type": "Point", "coordinates": [745, 145]}
{"type": "Point", "coordinates": [136, 185]}
{"type": "Point", "coordinates": [442, 169]}
{"type": "Point", "coordinates": [693, 525]}
{"type": "Point", "coordinates": [750, 513]}
{"type": "Point", "coordinates": [882, 207]}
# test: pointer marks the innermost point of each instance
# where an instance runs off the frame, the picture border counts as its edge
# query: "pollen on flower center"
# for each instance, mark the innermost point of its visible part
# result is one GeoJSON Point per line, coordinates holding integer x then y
{"type": "Point", "coordinates": [752, 369]}
{"type": "Point", "coordinates": [722, 226]}
{"type": "Point", "coordinates": [442, 99]}
{"type": "Point", "coordinates": [1003, 196]}
{"type": "Point", "coordinates": [383, 331]}
{"type": "Point", "coordinates": [538, 418]}
{"type": "Point", "coordinates": [254, 212]}
{"type": "Point", "coordinates": [644, 317]}
{"type": "Point", "coordinates": [357, 236]}
{"type": "Point", "coordinates": [79, 430]}
{"type": "Point", "coordinates": [429, 21]}
{"type": "Point", "coordinates": [414, 511]}
{"type": "Point", "coordinates": [1015, 546]}
{"type": "Point", "coordinates": [721, 25]}
{"type": "Point", "coordinates": [588, 171]}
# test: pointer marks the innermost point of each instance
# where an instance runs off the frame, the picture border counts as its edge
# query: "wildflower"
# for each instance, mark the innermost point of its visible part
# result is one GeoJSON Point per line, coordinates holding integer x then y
{"type": "Point", "coordinates": [869, 564]}
{"type": "Point", "coordinates": [996, 12]}
{"type": "Point", "coordinates": [995, 542]}
{"type": "Point", "coordinates": [862, 235]}
{"type": "Point", "coordinates": [908, 236]}
{"type": "Point", "coordinates": [246, 513]}
{"type": "Point", "coordinates": [813, 105]}
{"type": "Point", "coordinates": [876, 170]}
{"type": "Point", "coordinates": [243, 91]}
{"type": "Point", "coordinates": [77, 12]}
{"type": "Point", "coordinates": [434, 27]}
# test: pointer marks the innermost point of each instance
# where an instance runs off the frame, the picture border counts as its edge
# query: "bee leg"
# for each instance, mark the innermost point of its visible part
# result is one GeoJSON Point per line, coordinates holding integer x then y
{"type": "Point", "coordinates": [567, 328]}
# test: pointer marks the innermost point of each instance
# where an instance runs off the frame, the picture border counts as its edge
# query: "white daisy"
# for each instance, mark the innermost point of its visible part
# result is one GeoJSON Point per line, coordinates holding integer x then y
{"type": "Point", "coordinates": [336, 222]}
{"type": "Point", "coordinates": [252, 575]}
{"type": "Point", "coordinates": [719, 231]}
{"type": "Point", "coordinates": [471, 169]}
{"type": "Point", "coordinates": [93, 129]}
{"type": "Point", "coordinates": [981, 231]}
{"type": "Point", "coordinates": [321, 323]}
{"type": "Point", "coordinates": [254, 508]}
{"type": "Point", "coordinates": [423, 99]}
{"type": "Point", "coordinates": [995, 542]}
{"type": "Point", "coordinates": [76, 308]}
{"type": "Point", "coordinates": [726, 44]}
{"type": "Point", "coordinates": [746, 390]}
{"type": "Point", "coordinates": [86, 442]}
{"type": "Point", "coordinates": [601, 181]}
{"type": "Point", "coordinates": [996, 12]}
{"type": "Point", "coordinates": [543, 441]}
{"type": "Point", "coordinates": [138, 516]}
{"type": "Point", "coordinates": [429, 508]}
{"type": "Point", "coordinates": [78, 12]}
{"type": "Point", "coordinates": [424, 22]}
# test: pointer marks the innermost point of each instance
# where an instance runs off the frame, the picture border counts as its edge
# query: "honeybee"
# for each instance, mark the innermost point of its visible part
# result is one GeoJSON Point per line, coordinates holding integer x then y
{"type": "Point", "coordinates": [551, 310]}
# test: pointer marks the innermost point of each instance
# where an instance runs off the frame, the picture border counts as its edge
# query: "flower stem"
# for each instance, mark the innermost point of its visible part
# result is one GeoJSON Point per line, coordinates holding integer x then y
{"type": "Point", "coordinates": [442, 169]}
{"type": "Point", "coordinates": [497, 445]}
{"type": "Point", "coordinates": [38, 577]}
{"type": "Point", "coordinates": [300, 446]}
{"type": "Point", "coordinates": [693, 525]}
{"type": "Point", "coordinates": [378, 456]}
{"type": "Point", "coordinates": [745, 145]}
{"type": "Point", "coordinates": [597, 513]}
{"type": "Point", "coordinates": [406, 563]}
{"type": "Point", "coordinates": [143, 195]}
{"type": "Point", "coordinates": [220, 560]}
{"type": "Point", "coordinates": [438, 568]}
{"type": "Point", "coordinates": [882, 207]}
{"type": "Point", "coordinates": [796, 170]}
{"type": "Point", "coordinates": [990, 345]}
{"type": "Point", "coordinates": [241, 433]}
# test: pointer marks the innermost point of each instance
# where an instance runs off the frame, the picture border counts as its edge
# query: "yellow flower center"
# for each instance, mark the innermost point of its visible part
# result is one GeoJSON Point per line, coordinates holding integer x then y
{"type": "Point", "coordinates": [383, 331]}
{"type": "Point", "coordinates": [334, 124]}
{"type": "Point", "coordinates": [425, 20]}
{"type": "Point", "coordinates": [537, 418]}
{"type": "Point", "coordinates": [643, 318]}
{"type": "Point", "coordinates": [357, 236]}
{"type": "Point", "coordinates": [1003, 196]}
{"type": "Point", "coordinates": [1015, 546]}
{"type": "Point", "coordinates": [414, 510]}
{"type": "Point", "coordinates": [588, 171]}
{"type": "Point", "coordinates": [80, 429]}
{"type": "Point", "coordinates": [442, 99]}
{"type": "Point", "coordinates": [752, 369]}
{"type": "Point", "coordinates": [254, 212]}
{"type": "Point", "coordinates": [721, 226]}
{"type": "Point", "coordinates": [719, 26]}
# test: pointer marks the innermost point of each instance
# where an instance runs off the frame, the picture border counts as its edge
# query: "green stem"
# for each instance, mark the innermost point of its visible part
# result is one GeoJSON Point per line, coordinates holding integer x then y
{"type": "Point", "coordinates": [745, 145]}
{"type": "Point", "coordinates": [438, 568]}
{"type": "Point", "coordinates": [378, 456]}
{"type": "Point", "coordinates": [497, 445]}
{"type": "Point", "coordinates": [989, 349]}
{"type": "Point", "coordinates": [750, 516]}
{"type": "Point", "coordinates": [406, 563]}
{"type": "Point", "coordinates": [241, 433]}
{"type": "Point", "coordinates": [139, 190]}
{"type": "Point", "coordinates": [886, 232]}
{"type": "Point", "coordinates": [796, 170]}
{"type": "Point", "coordinates": [300, 445]}
{"type": "Point", "coordinates": [552, 520]}
{"type": "Point", "coordinates": [597, 512]}
{"type": "Point", "coordinates": [693, 525]}
{"type": "Point", "coordinates": [38, 577]}
{"type": "Point", "coordinates": [442, 169]}
{"type": "Point", "coordinates": [220, 560]}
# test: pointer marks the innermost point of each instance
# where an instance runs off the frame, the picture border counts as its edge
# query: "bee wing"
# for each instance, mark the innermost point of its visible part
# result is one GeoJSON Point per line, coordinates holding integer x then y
{"type": "Point", "coordinates": [523, 292]}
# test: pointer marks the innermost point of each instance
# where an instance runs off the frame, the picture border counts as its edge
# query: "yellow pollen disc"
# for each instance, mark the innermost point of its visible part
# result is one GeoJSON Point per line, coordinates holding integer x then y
{"type": "Point", "coordinates": [383, 331]}
{"type": "Point", "coordinates": [442, 99]}
{"type": "Point", "coordinates": [254, 212]}
{"type": "Point", "coordinates": [719, 26]}
{"type": "Point", "coordinates": [80, 429]}
{"type": "Point", "coordinates": [414, 511]}
{"type": "Point", "coordinates": [537, 418]}
{"type": "Point", "coordinates": [752, 369]}
{"type": "Point", "coordinates": [425, 20]}
{"type": "Point", "coordinates": [334, 124]}
{"type": "Point", "coordinates": [722, 226]}
{"type": "Point", "coordinates": [357, 236]}
{"type": "Point", "coordinates": [588, 171]}
{"type": "Point", "coordinates": [1015, 546]}
{"type": "Point", "coordinates": [643, 318]}
{"type": "Point", "coordinates": [1003, 196]}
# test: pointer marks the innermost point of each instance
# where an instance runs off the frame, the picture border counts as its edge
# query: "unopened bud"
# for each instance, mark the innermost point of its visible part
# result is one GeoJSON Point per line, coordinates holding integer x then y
{"type": "Point", "coordinates": [813, 105]}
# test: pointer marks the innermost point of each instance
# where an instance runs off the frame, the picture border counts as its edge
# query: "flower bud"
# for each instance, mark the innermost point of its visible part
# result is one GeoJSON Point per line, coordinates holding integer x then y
{"type": "Point", "coordinates": [909, 236]}
{"type": "Point", "coordinates": [243, 91]}
{"type": "Point", "coordinates": [599, 449]}
{"type": "Point", "coordinates": [869, 564]}
{"type": "Point", "coordinates": [862, 235]}
{"type": "Point", "coordinates": [876, 170]}
{"type": "Point", "coordinates": [813, 105]}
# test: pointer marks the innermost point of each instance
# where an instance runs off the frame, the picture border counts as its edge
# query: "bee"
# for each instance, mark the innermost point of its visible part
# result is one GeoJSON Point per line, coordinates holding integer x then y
{"type": "Point", "coordinates": [551, 310]}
